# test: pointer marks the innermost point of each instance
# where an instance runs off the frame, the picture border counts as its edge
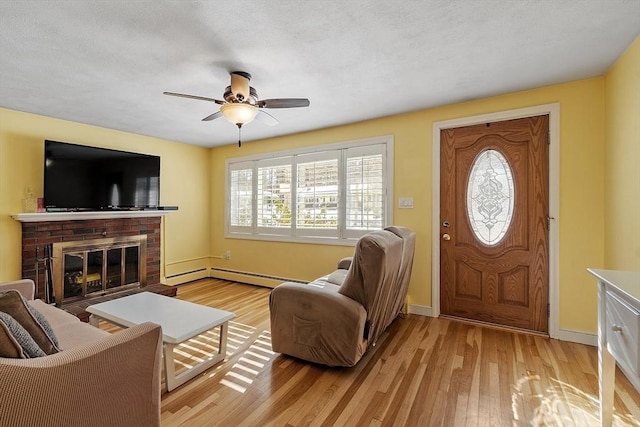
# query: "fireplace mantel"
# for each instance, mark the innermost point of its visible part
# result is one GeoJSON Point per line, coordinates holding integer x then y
{"type": "Point", "coordinates": [78, 216]}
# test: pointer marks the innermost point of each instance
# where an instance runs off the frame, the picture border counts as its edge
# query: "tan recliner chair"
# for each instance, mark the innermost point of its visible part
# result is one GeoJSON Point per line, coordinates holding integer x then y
{"type": "Point", "coordinates": [336, 318]}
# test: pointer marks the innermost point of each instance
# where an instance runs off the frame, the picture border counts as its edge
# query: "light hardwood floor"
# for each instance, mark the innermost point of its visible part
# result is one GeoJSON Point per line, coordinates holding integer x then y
{"type": "Point", "coordinates": [422, 372]}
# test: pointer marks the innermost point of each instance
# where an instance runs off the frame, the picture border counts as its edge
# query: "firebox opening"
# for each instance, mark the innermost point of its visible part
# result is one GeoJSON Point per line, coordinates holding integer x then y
{"type": "Point", "coordinates": [91, 268]}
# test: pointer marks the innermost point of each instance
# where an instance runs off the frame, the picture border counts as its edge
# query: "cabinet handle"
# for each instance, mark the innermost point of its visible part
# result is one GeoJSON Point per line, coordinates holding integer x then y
{"type": "Point", "coordinates": [616, 328]}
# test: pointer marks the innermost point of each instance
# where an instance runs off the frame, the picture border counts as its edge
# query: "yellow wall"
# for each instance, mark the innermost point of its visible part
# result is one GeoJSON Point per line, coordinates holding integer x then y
{"type": "Point", "coordinates": [581, 191]}
{"type": "Point", "coordinates": [184, 182]}
{"type": "Point", "coordinates": [622, 162]}
{"type": "Point", "coordinates": [193, 178]}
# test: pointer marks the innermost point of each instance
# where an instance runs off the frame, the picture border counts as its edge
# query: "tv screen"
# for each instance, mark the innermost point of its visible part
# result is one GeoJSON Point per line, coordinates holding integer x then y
{"type": "Point", "coordinates": [78, 177]}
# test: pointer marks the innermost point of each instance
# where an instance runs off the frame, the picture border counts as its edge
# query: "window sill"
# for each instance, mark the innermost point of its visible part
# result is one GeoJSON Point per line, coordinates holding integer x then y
{"type": "Point", "coordinates": [329, 241]}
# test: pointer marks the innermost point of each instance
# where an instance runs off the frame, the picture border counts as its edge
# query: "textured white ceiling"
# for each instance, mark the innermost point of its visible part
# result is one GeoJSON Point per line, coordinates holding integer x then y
{"type": "Point", "coordinates": [106, 63]}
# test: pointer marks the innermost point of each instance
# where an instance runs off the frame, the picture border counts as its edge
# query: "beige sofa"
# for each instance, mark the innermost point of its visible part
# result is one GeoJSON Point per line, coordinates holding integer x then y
{"type": "Point", "coordinates": [336, 318]}
{"type": "Point", "coordinates": [97, 379]}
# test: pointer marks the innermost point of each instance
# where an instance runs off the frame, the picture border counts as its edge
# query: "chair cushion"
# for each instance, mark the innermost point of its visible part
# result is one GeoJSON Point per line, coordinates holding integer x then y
{"type": "Point", "coordinates": [337, 277]}
{"type": "Point", "coordinates": [15, 341]}
{"type": "Point", "coordinates": [35, 324]}
{"type": "Point", "coordinates": [9, 346]}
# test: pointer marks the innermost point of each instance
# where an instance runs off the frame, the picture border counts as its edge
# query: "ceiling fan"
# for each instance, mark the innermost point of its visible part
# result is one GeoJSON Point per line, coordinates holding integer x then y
{"type": "Point", "coordinates": [241, 104]}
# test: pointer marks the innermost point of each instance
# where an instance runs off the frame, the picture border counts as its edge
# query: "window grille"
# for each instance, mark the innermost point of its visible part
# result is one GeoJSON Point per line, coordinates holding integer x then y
{"type": "Point", "coordinates": [333, 192]}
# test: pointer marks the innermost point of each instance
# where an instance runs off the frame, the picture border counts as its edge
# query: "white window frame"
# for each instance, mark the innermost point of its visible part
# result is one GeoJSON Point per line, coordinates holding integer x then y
{"type": "Point", "coordinates": [344, 236]}
{"type": "Point", "coordinates": [238, 228]}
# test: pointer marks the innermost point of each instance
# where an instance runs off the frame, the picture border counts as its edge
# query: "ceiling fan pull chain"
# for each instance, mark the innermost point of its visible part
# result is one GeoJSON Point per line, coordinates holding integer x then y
{"type": "Point", "coordinates": [239, 134]}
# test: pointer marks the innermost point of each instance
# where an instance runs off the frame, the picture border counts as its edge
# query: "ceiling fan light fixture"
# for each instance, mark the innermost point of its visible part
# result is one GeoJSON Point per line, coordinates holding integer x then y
{"type": "Point", "coordinates": [239, 114]}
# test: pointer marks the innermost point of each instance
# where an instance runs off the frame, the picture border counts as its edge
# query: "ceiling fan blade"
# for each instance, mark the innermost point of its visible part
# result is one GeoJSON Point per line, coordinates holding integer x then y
{"type": "Point", "coordinates": [212, 116]}
{"type": "Point", "coordinates": [283, 103]}
{"type": "Point", "coordinates": [200, 98]}
{"type": "Point", "coordinates": [266, 118]}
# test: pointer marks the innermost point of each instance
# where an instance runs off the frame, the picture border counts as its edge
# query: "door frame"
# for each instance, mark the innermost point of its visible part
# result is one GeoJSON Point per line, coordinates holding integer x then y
{"type": "Point", "coordinates": [553, 110]}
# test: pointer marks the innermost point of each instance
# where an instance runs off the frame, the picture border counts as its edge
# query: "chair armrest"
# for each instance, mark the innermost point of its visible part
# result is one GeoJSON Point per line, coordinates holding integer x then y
{"type": "Point", "coordinates": [26, 287]}
{"type": "Point", "coordinates": [345, 263]}
{"type": "Point", "coordinates": [113, 381]}
{"type": "Point", "coordinates": [315, 323]}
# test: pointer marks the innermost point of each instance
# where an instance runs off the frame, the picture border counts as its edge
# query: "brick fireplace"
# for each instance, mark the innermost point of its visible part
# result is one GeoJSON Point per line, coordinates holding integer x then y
{"type": "Point", "coordinates": [36, 236]}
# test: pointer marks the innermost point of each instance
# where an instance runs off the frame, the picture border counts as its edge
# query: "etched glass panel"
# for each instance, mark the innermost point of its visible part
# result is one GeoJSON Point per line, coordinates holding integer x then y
{"type": "Point", "coordinates": [490, 197]}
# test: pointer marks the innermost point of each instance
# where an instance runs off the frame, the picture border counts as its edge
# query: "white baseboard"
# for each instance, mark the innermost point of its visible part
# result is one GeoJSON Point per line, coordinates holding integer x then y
{"type": "Point", "coordinates": [249, 277]}
{"type": "Point", "coordinates": [178, 279]}
{"type": "Point", "coordinates": [578, 337]}
{"type": "Point", "coordinates": [420, 310]}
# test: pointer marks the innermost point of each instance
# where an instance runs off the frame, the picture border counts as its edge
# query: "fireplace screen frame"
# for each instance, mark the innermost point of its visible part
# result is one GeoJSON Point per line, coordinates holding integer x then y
{"type": "Point", "coordinates": [82, 249]}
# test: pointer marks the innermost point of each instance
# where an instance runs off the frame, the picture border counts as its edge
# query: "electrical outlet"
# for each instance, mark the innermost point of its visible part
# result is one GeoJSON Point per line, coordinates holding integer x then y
{"type": "Point", "coordinates": [227, 255]}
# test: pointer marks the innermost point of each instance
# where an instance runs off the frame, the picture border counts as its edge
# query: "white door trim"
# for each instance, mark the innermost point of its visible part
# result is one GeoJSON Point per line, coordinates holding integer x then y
{"type": "Point", "coordinates": [553, 110]}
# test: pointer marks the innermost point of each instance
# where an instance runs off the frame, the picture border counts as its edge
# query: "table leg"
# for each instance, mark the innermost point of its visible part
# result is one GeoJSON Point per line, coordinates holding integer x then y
{"type": "Point", "coordinates": [169, 368]}
{"type": "Point", "coordinates": [606, 385]}
{"type": "Point", "coordinates": [172, 380]}
{"type": "Point", "coordinates": [606, 364]}
{"type": "Point", "coordinates": [223, 340]}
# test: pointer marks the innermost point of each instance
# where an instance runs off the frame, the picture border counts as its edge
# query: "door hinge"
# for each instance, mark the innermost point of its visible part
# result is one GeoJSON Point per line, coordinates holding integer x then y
{"type": "Point", "coordinates": [549, 138]}
{"type": "Point", "coordinates": [548, 310]}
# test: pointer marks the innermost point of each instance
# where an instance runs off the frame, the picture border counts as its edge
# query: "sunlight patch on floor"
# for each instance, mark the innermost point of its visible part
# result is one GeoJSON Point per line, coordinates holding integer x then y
{"type": "Point", "coordinates": [201, 347]}
{"type": "Point", "coordinates": [239, 377]}
{"type": "Point", "coordinates": [237, 336]}
{"type": "Point", "coordinates": [560, 404]}
{"type": "Point", "coordinates": [244, 368]}
{"type": "Point", "coordinates": [250, 364]}
{"type": "Point", "coordinates": [233, 386]}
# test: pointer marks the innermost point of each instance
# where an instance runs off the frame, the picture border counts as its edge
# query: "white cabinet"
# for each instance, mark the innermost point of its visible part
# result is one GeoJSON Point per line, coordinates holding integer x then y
{"type": "Point", "coordinates": [618, 333]}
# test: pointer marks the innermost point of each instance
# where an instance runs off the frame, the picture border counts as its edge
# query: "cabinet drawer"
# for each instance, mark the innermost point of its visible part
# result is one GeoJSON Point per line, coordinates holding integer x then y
{"type": "Point", "coordinates": [623, 327]}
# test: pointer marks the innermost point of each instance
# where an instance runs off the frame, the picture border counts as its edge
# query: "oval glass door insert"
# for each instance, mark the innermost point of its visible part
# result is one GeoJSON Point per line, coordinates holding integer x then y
{"type": "Point", "coordinates": [490, 197]}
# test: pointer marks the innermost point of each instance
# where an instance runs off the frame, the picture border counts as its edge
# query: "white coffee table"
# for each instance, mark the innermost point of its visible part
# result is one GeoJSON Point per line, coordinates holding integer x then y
{"type": "Point", "coordinates": [180, 321]}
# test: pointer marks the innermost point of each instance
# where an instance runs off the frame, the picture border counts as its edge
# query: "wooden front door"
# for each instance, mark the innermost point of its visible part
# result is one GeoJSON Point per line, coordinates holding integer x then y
{"type": "Point", "coordinates": [494, 250]}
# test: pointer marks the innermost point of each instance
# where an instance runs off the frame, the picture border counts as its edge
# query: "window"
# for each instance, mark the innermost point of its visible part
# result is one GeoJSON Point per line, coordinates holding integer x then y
{"type": "Point", "coordinates": [490, 197]}
{"type": "Point", "coordinates": [241, 191]}
{"type": "Point", "coordinates": [333, 192]}
{"type": "Point", "coordinates": [274, 194]}
{"type": "Point", "coordinates": [317, 193]}
{"type": "Point", "coordinates": [364, 190]}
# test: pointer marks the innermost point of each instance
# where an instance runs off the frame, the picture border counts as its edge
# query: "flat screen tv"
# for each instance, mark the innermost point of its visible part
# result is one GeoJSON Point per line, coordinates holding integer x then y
{"type": "Point", "coordinates": [82, 178]}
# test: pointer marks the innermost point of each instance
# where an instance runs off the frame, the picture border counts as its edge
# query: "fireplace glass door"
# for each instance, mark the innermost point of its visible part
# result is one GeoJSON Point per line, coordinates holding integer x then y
{"type": "Point", "coordinates": [93, 268]}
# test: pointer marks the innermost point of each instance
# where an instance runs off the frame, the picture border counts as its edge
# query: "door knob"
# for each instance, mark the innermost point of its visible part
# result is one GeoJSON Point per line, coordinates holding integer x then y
{"type": "Point", "coordinates": [446, 237]}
